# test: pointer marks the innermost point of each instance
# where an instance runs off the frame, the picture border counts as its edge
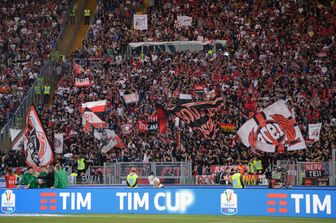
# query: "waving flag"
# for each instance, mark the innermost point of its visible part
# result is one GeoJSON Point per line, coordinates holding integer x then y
{"type": "Point", "coordinates": [17, 137]}
{"type": "Point", "coordinates": [94, 106]}
{"type": "Point", "coordinates": [200, 116]}
{"type": "Point", "coordinates": [78, 69]}
{"type": "Point", "coordinates": [314, 131]}
{"type": "Point", "coordinates": [272, 130]}
{"type": "Point", "coordinates": [93, 115]}
{"type": "Point", "coordinates": [37, 147]}
{"type": "Point", "coordinates": [108, 139]}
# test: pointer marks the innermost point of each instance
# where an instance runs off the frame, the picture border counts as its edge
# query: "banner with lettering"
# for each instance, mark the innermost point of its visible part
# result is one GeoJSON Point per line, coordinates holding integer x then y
{"type": "Point", "coordinates": [272, 130]}
{"type": "Point", "coordinates": [200, 116]}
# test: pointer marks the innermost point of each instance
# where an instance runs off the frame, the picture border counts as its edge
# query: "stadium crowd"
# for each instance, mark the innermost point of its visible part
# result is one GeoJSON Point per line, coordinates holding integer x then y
{"type": "Point", "coordinates": [275, 50]}
{"type": "Point", "coordinates": [28, 33]}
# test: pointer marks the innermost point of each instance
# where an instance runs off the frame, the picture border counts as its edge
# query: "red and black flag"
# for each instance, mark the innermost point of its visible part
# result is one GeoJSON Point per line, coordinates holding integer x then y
{"type": "Point", "coordinates": [201, 116]}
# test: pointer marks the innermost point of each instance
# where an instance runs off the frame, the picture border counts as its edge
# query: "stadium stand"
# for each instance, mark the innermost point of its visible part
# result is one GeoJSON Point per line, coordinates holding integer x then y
{"type": "Point", "coordinates": [275, 50]}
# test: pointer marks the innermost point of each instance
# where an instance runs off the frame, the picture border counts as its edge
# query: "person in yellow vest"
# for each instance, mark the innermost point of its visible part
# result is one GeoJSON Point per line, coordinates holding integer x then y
{"type": "Point", "coordinates": [132, 179]}
{"type": "Point", "coordinates": [258, 165]}
{"type": "Point", "coordinates": [38, 92]}
{"type": "Point", "coordinates": [46, 93]}
{"type": "Point", "coordinates": [87, 16]}
{"type": "Point", "coordinates": [237, 179]}
{"type": "Point", "coordinates": [80, 166]}
{"type": "Point", "coordinates": [72, 15]}
{"type": "Point", "coordinates": [251, 167]}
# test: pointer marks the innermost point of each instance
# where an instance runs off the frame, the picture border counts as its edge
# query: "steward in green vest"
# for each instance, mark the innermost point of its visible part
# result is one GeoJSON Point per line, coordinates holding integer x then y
{"type": "Point", "coordinates": [46, 93]}
{"type": "Point", "coordinates": [87, 16]}
{"type": "Point", "coordinates": [250, 167]}
{"type": "Point", "coordinates": [132, 179]}
{"type": "Point", "coordinates": [258, 165]}
{"type": "Point", "coordinates": [61, 177]}
{"type": "Point", "coordinates": [237, 179]}
{"type": "Point", "coordinates": [38, 89]}
{"type": "Point", "coordinates": [29, 179]}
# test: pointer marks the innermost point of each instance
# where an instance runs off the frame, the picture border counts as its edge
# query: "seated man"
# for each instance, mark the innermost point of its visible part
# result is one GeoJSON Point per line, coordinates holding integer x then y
{"type": "Point", "coordinates": [157, 183]}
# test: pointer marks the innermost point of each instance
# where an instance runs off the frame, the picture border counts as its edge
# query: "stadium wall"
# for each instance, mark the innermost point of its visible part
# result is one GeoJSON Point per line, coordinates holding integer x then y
{"type": "Point", "coordinates": [216, 201]}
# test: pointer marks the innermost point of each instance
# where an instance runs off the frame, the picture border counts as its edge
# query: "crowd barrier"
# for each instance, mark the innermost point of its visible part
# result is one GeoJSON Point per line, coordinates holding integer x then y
{"type": "Point", "coordinates": [216, 201]}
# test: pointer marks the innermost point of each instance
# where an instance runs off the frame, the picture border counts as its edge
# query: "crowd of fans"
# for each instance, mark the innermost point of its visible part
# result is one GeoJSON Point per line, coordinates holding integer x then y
{"type": "Point", "coordinates": [275, 50]}
{"type": "Point", "coordinates": [28, 33]}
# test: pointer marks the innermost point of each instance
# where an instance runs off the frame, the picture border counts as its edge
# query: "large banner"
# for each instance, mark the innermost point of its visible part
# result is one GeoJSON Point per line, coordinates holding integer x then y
{"type": "Point", "coordinates": [272, 130]}
{"type": "Point", "coordinates": [37, 147]}
{"type": "Point", "coordinates": [217, 201]}
{"type": "Point", "coordinates": [140, 22]}
{"type": "Point", "coordinates": [314, 131]}
{"type": "Point", "coordinates": [200, 116]}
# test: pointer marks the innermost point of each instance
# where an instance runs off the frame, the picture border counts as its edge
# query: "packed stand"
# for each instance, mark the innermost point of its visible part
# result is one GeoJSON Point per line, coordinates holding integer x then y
{"type": "Point", "coordinates": [28, 33]}
{"type": "Point", "coordinates": [274, 50]}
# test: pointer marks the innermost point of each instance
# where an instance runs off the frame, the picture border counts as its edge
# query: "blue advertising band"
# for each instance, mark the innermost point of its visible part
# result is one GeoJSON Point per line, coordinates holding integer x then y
{"type": "Point", "coordinates": [216, 201]}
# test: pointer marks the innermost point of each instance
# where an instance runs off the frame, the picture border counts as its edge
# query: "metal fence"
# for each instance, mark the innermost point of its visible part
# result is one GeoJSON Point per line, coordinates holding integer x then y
{"type": "Point", "coordinates": [17, 120]}
{"type": "Point", "coordinates": [309, 173]}
{"type": "Point", "coordinates": [116, 173]}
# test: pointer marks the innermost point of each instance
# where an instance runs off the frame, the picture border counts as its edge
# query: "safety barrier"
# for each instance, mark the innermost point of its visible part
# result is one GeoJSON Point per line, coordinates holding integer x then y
{"type": "Point", "coordinates": [216, 201]}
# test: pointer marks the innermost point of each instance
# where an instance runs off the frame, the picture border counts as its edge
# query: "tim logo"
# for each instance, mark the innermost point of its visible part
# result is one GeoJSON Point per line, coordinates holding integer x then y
{"type": "Point", "coordinates": [277, 203]}
{"type": "Point", "coordinates": [48, 201]}
{"type": "Point", "coordinates": [8, 202]}
{"type": "Point", "coordinates": [229, 202]}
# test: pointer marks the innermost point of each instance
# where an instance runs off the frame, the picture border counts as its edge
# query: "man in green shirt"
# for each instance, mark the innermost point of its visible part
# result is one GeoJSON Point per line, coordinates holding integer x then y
{"type": "Point", "coordinates": [42, 178]}
{"type": "Point", "coordinates": [61, 177]}
{"type": "Point", "coordinates": [29, 179]}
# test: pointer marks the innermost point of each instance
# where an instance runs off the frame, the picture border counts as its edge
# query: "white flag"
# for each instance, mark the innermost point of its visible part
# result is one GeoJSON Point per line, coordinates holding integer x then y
{"type": "Point", "coordinates": [314, 131]}
{"type": "Point", "coordinates": [140, 22]}
{"type": "Point", "coordinates": [17, 139]}
{"type": "Point", "coordinates": [108, 139]}
{"type": "Point", "coordinates": [94, 106]}
{"type": "Point", "coordinates": [131, 98]}
{"type": "Point", "coordinates": [183, 21]}
{"type": "Point", "coordinates": [37, 147]}
{"type": "Point", "coordinates": [272, 130]}
{"type": "Point", "coordinates": [58, 142]}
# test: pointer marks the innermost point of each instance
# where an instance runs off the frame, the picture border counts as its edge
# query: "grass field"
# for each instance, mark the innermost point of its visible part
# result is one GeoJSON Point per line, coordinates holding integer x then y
{"type": "Point", "coordinates": [156, 219]}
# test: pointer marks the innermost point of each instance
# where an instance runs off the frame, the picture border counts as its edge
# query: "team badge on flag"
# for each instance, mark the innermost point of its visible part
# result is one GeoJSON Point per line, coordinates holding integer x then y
{"type": "Point", "coordinates": [37, 147]}
{"type": "Point", "coordinates": [272, 130]}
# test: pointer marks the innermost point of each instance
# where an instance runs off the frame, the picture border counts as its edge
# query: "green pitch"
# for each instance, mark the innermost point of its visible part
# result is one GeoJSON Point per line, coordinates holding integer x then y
{"type": "Point", "coordinates": [156, 219]}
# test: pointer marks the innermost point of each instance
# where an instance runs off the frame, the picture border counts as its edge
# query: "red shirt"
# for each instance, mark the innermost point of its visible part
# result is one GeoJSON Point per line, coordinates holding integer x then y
{"type": "Point", "coordinates": [10, 181]}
